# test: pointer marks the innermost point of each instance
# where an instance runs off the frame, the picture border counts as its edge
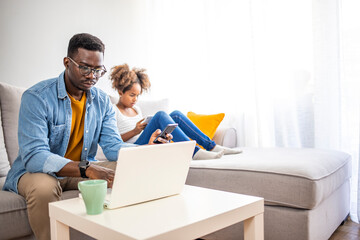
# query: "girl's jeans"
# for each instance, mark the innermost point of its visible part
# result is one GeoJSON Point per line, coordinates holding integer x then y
{"type": "Point", "coordinates": [183, 132]}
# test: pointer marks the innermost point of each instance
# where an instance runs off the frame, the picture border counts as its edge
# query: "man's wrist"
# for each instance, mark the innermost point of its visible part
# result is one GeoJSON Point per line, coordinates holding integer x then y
{"type": "Point", "coordinates": [83, 166]}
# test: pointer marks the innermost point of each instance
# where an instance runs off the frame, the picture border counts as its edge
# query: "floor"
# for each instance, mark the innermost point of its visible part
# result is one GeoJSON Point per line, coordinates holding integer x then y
{"type": "Point", "coordinates": [349, 231]}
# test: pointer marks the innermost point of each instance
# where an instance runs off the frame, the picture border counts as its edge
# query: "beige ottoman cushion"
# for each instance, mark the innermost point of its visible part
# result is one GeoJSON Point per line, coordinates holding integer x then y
{"type": "Point", "coordinates": [300, 178]}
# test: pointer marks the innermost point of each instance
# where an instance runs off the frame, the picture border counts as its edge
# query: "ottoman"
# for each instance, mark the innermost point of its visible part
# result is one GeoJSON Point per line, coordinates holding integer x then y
{"type": "Point", "coordinates": [306, 191]}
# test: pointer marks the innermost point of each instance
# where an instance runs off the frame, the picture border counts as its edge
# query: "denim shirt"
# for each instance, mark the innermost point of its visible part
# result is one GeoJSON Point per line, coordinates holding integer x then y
{"type": "Point", "coordinates": [44, 130]}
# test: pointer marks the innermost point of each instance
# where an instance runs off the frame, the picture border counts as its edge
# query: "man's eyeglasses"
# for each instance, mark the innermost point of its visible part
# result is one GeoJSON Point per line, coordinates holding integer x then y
{"type": "Point", "coordinates": [85, 70]}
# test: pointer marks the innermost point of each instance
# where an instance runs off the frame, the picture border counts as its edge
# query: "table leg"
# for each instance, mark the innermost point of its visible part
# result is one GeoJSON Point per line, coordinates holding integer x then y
{"type": "Point", "coordinates": [59, 230]}
{"type": "Point", "coordinates": [254, 228]}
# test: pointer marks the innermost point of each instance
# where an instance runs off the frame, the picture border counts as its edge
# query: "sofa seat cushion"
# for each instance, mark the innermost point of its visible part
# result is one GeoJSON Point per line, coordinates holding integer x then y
{"type": "Point", "coordinates": [13, 216]}
{"type": "Point", "coordinates": [292, 177]}
{"type": "Point", "coordinates": [10, 202]}
{"type": "Point", "coordinates": [69, 194]}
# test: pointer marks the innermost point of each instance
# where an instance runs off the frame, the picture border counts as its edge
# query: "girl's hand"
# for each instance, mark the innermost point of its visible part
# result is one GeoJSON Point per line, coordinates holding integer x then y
{"type": "Point", "coordinates": [139, 126]}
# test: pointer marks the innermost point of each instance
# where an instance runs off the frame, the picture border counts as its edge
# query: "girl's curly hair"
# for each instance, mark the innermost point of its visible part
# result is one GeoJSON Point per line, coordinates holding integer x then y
{"type": "Point", "coordinates": [123, 78]}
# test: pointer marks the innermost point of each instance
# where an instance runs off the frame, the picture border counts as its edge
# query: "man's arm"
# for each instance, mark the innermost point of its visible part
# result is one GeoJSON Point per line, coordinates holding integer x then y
{"type": "Point", "coordinates": [34, 131]}
{"type": "Point", "coordinates": [110, 139]}
{"type": "Point", "coordinates": [33, 134]}
{"type": "Point", "coordinates": [93, 172]}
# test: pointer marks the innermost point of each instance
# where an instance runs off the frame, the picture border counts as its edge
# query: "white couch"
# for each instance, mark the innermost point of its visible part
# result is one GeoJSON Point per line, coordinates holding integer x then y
{"type": "Point", "coordinates": [306, 191]}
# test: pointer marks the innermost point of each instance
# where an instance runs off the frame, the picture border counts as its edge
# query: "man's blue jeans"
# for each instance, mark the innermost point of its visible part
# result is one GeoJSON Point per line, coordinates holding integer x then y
{"type": "Point", "coordinates": [185, 131]}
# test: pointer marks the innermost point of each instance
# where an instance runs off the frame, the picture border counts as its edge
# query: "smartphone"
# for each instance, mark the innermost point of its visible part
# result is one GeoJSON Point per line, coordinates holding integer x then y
{"type": "Point", "coordinates": [168, 129]}
{"type": "Point", "coordinates": [147, 119]}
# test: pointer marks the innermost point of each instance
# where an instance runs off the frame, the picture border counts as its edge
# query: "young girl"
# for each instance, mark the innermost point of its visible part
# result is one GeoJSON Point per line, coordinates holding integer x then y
{"type": "Point", "coordinates": [130, 84]}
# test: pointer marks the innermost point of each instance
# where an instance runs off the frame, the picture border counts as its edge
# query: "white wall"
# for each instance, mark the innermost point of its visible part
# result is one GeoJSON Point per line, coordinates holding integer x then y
{"type": "Point", "coordinates": [35, 35]}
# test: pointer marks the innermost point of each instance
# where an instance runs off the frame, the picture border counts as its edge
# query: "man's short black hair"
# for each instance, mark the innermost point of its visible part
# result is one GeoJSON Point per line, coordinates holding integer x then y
{"type": "Point", "coordinates": [86, 41]}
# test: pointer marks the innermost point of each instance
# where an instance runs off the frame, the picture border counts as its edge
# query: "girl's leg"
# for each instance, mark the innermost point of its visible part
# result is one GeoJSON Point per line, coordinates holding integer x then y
{"type": "Point", "coordinates": [192, 131]}
{"type": "Point", "coordinates": [160, 121]}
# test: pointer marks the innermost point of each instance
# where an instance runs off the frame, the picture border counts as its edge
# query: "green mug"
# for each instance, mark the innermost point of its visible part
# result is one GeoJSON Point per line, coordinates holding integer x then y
{"type": "Point", "coordinates": [93, 193]}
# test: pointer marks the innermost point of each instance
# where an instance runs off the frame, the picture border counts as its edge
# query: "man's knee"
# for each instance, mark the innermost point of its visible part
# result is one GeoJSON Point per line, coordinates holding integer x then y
{"type": "Point", "coordinates": [51, 192]}
{"type": "Point", "coordinates": [39, 186]}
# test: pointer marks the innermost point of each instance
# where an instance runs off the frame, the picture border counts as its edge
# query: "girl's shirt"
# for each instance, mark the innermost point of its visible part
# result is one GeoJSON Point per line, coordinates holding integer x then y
{"type": "Point", "coordinates": [126, 124]}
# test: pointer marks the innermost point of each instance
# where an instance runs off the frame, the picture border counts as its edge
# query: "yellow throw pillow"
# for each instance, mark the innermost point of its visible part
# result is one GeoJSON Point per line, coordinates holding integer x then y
{"type": "Point", "coordinates": [206, 123]}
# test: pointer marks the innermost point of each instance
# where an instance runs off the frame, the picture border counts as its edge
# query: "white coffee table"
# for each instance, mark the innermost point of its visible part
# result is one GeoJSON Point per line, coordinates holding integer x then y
{"type": "Point", "coordinates": [194, 213]}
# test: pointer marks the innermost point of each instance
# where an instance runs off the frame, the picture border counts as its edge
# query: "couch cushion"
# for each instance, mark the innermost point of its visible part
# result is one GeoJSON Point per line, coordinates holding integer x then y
{"type": "Point", "coordinates": [13, 216]}
{"type": "Point", "coordinates": [4, 161]}
{"type": "Point", "coordinates": [148, 107]}
{"type": "Point", "coordinates": [206, 123]}
{"type": "Point", "coordinates": [10, 98]}
{"type": "Point", "coordinates": [2, 182]}
{"type": "Point", "coordinates": [300, 178]}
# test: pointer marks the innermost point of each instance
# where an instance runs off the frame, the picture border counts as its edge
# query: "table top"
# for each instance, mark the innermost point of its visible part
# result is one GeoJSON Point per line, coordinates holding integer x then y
{"type": "Point", "coordinates": [194, 208]}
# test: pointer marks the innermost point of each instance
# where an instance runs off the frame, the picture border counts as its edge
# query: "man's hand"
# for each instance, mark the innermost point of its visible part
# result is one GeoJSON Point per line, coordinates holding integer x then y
{"type": "Point", "coordinates": [162, 140]}
{"type": "Point", "coordinates": [97, 172]}
{"type": "Point", "coordinates": [93, 172]}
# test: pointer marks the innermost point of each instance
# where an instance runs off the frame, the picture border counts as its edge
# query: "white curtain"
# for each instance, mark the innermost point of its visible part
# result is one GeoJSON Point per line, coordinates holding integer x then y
{"type": "Point", "coordinates": [350, 90]}
{"type": "Point", "coordinates": [286, 73]}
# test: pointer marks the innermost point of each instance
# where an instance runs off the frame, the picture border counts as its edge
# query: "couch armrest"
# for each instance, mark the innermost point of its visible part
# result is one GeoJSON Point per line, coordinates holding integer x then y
{"type": "Point", "coordinates": [225, 137]}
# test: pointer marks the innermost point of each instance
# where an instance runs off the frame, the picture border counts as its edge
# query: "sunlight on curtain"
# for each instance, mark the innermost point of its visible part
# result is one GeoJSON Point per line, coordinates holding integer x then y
{"type": "Point", "coordinates": [350, 127]}
{"type": "Point", "coordinates": [238, 57]}
{"type": "Point", "coordinates": [202, 50]}
{"type": "Point", "coordinates": [284, 72]}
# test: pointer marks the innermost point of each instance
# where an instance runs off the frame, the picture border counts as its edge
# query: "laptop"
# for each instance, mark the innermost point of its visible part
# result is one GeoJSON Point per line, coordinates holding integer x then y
{"type": "Point", "coordinates": [149, 172]}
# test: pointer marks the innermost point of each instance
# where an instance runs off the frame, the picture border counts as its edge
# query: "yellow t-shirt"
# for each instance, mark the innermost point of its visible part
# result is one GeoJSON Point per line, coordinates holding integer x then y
{"type": "Point", "coordinates": [75, 145]}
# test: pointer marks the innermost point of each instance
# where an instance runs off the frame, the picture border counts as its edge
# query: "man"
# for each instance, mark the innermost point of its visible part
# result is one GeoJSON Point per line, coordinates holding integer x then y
{"type": "Point", "coordinates": [61, 122]}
